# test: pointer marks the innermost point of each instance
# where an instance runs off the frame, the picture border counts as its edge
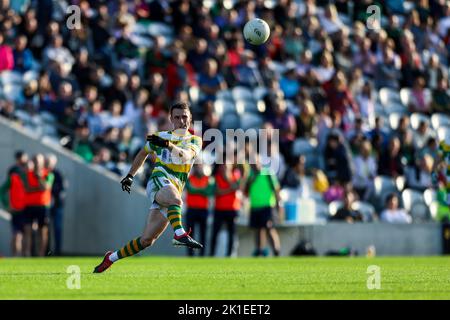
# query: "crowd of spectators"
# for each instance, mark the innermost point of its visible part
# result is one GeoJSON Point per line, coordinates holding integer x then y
{"type": "Point", "coordinates": [109, 81]}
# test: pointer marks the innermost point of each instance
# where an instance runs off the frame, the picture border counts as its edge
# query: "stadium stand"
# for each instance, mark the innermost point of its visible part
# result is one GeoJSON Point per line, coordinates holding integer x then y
{"type": "Point", "coordinates": [99, 88]}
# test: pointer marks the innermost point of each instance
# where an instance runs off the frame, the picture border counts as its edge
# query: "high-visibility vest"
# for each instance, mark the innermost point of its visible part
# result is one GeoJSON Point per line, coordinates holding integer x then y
{"type": "Point", "coordinates": [41, 198]}
{"type": "Point", "coordinates": [17, 197]}
{"type": "Point", "coordinates": [197, 201]}
{"type": "Point", "coordinates": [229, 201]}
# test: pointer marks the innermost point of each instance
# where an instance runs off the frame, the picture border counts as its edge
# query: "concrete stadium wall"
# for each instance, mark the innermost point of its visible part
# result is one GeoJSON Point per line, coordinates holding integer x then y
{"type": "Point", "coordinates": [99, 216]}
{"type": "Point", "coordinates": [388, 239]}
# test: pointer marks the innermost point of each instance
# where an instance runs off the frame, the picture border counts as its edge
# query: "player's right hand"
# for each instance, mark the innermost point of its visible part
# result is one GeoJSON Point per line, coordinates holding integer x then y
{"type": "Point", "coordinates": [127, 182]}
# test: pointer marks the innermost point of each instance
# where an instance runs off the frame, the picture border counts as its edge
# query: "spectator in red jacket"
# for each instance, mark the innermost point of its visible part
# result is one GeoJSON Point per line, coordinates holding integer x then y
{"type": "Point", "coordinates": [180, 74]}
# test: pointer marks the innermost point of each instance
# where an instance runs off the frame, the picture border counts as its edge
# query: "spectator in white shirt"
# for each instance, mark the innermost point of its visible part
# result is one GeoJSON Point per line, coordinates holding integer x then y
{"type": "Point", "coordinates": [419, 178]}
{"type": "Point", "coordinates": [115, 119]}
{"type": "Point", "coordinates": [365, 171]}
{"type": "Point", "coordinates": [392, 213]}
{"type": "Point", "coordinates": [422, 135]}
{"type": "Point", "coordinates": [57, 52]}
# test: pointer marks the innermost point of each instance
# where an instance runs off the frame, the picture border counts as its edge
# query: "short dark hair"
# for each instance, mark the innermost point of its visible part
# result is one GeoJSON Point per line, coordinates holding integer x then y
{"type": "Point", "coordinates": [180, 105]}
{"type": "Point", "coordinates": [19, 154]}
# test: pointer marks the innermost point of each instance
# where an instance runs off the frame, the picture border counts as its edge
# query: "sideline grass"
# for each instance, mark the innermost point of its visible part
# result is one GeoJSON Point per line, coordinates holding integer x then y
{"type": "Point", "coordinates": [220, 278]}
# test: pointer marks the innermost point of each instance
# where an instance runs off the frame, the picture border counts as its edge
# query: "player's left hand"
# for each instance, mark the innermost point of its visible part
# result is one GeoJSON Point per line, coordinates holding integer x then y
{"type": "Point", "coordinates": [158, 141]}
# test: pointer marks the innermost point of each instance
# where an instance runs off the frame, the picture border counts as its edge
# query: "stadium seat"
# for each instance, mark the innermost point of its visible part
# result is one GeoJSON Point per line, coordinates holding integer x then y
{"type": "Point", "coordinates": [440, 120]}
{"type": "Point", "coordinates": [13, 92]}
{"type": "Point", "coordinates": [417, 118]}
{"type": "Point", "coordinates": [394, 119]}
{"type": "Point", "coordinates": [259, 93]}
{"type": "Point", "coordinates": [434, 207]}
{"type": "Point", "coordinates": [303, 147]}
{"type": "Point", "coordinates": [405, 96]}
{"type": "Point", "coordinates": [384, 184]}
{"type": "Point", "coordinates": [224, 95]}
{"type": "Point", "coordinates": [400, 183]}
{"type": "Point", "coordinates": [443, 133]}
{"type": "Point", "coordinates": [224, 107]}
{"type": "Point", "coordinates": [429, 196]}
{"type": "Point", "coordinates": [246, 106]}
{"type": "Point", "coordinates": [411, 198]}
{"type": "Point", "coordinates": [420, 212]}
{"type": "Point", "coordinates": [194, 94]}
{"type": "Point", "coordinates": [160, 29]}
{"type": "Point", "coordinates": [391, 101]}
{"type": "Point", "coordinates": [334, 206]}
{"type": "Point", "coordinates": [366, 209]}
{"type": "Point", "coordinates": [10, 78]}
{"type": "Point", "coordinates": [251, 120]}
{"type": "Point", "coordinates": [30, 75]}
{"type": "Point", "coordinates": [229, 120]}
{"type": "Point", "coordinates": [241, 93]}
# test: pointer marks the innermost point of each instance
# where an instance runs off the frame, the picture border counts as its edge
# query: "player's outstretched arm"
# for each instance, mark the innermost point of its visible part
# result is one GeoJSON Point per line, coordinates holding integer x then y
{"type": "Point", "coordinates": [136, 165]}
{"type": "Point", "coordinates": [182, 155]}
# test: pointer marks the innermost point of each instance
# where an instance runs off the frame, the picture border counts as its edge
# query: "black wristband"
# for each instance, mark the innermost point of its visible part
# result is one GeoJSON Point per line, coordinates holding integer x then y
{"type": "Point", "coordinates": [130, 176]}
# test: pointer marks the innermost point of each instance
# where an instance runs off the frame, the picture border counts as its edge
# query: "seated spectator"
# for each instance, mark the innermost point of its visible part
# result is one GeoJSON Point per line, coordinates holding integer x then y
{"type": "Point", "coordinates": [366, 103]}
{"type": "Point", "coordinates": [210, 81]}
{"type": "Point", "coordinates": [23, 57]}
{"type": "Point", "coordinates": [422, 135]}
{"type": "Point", "coordinates": [285, 122]}
{"type": "Point", "coordinates": [435, 71]}
{"type": "Point", "coordinates": [103, 159]}
{"type": "Point", "coordinates": [418, 102]}
{"type": "Point", "coordinates": [289, 84]}
{"type": "Point", "coordinates": [114, 117]}
{"type": "Point", "coordinates": [325, 71]}
{"type": "Point", "coordinates": [330, 20]}
{"type": "Point", "coordinates": [294, 174]}
{"type": "Point", "coordinates": [118, 90]}
{"type": "Point", "coordinates": [156, 59]}
{"type": "Point", "coordinates": [365, 59]}
{"type": "Point", "coordinates": [365, 171]}
{"type": "Point", "coordinates": [387, 73]}
{"type": "Point", "coordinates": [82, 145]}
{"type": "Point", "coordinates": [335, 192]}
{"type": "Point", "coordinates": [431, 149]}
{"type": "Point", "coordinates": [337, 161]}
{"type": "Point", "coordinates": [392, 213]}
{"type": "Point", "coordinates": [346, 212]}
{"type": "Point", "coordinates": [390, 162]}
{"type": "Point", "coordinates": [306, 120]}
{"type": "Point", "coordinates": [180, 74]}
{"type": "Point", "coordinates": [441, 97]}
{"type": "Point", "coordinates": [379, 132]}
{"type": "Point", "coordinates": [340, 99]}
{"type": "Point", "coordinates": [245, 73]}
{"type": "Point", "coordinates": [198, 56]}
{"type": "Point", "coordinates": [57, 52]}
{"type": "Point", "coordinates": [127, 52]}
{"type": "Point", "coordinates": [96, 119]}
{"type": "Point", "coordinates": [419, 177]}
{"type": "Point", "coordinates": [6, 55]}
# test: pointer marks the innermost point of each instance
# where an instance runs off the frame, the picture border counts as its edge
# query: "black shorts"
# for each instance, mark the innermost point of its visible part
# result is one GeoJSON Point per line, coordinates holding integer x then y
{"type": "Point", "coordinates": [39, 214]}
{"type": "Point", "coordinates": [260, 217]}
{"type": "Point", "coordinates": [17, 221]}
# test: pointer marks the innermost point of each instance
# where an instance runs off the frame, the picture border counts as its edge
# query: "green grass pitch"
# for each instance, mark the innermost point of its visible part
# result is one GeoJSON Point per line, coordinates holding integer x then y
{"type": "Point", "coordinates": [221, 278]}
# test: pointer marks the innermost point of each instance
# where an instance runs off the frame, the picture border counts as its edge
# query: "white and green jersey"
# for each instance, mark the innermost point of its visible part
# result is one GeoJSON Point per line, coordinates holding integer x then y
{"type": "Point", "coordinates": [168, 167]}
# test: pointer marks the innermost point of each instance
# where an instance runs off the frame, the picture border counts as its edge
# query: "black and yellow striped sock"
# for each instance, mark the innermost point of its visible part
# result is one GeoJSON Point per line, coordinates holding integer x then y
{"type": "Point", "coordinates": [130, 249]}
{"type": "Point", "coordinates": [174, 216]}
